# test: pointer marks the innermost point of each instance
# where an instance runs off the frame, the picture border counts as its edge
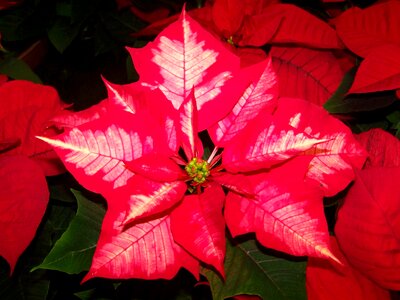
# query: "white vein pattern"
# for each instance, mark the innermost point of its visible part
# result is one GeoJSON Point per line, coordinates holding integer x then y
{"type": "Point", "coordinates": [271, 146]}
{"type": "Point", "coordinates": [183, 65]}
{"type": "Point", "coordinates": [140, 251]}
{"type": "Point", "coordinates": [120, 97]}
{"type": "Point", "coordinates": [103, 151]}
{"type": "Point", "coordinates": [285, 222]}
{"type": "Point", "coordinates": [253, 100]}
{"type": "Point", "coordinates": [163, 195]}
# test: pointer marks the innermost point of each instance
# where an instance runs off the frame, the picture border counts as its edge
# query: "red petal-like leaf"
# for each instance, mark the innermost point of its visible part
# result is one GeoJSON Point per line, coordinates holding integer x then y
{"type": "Point", "coordinates": [198, 225]}
{"type": "Point", "coordinates": [379, 71]}
{"type": "Point", "coordinates": [147, 198]}
{"type": "Point", "coordinates": [328, 282]}
{"type": "Point", "coordinates": [364, 30]}
{"type": "Point", "coordinates": [368, 225]}
{"type": "Point", "coordinates": [23, 201]}
{"type": "Point", "coordinates": [333, 161]}
{"type": "Point", "coordinates": [156, 167]}
{"type": "Point", "coordinates": [146, 250]}
{"type": "Point", "coordinates": [188, 120]}
{"type": "Point", "coordinates": [266, 141]}
{"type": "Point", "coordinates": [382, 147]}
{"type": "Point", "coordinates": [184, 56]}
{"type": "Point", "coordinates": [96, 152]}
{"type": "Point", "coordinates": [259, 95]}
{"type": "Point", "coordinates": [295, 26]}
{"type": "Point", "coordinates": [238, 183]}
{"type": "Point", "coordinates": [306, 74]}
{"type": "Point", "coordinates": [25, 111]}
{"type": "Point", "coordinates": [286, 215]}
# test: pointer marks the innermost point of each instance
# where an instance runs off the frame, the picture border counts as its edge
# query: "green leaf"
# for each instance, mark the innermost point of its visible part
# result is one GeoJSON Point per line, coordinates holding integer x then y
{"type": "Point", "coordinates": [73, 252]}
{"type": "Point", "coordinates": [63, 32]}
{"type": "Point", "coordinates": [250, 270]}
{"type": "Point", "coordinates": [18, 69]}
{"type": "Point", "coordinates": [342, 103]}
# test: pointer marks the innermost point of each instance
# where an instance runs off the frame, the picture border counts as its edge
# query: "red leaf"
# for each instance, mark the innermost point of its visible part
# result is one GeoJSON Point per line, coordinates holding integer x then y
{"type": "Point", "coordinates": [332, 161]}
{"type": "Point", "coordinates": [364, 30]}
{"type": "Point", "coordinates": [266, 141]}
{"type": "Point", "coordinates": [156, 167]}
{"type": "Point", "coordinates": [328, 282]}
{"type": "Point", "coordinates": [368, 224]}
{"type": "Point", "coordinates": [96, 152]}
{"type": "Point", "coordinates": [261, 93]}
{"type": "Point", "coordinates": [188, 120]}
{"type": "Point", "coordinates": [379, 71]}
{"type": "Point", "coordinates": [306, 74]}
{"type": "Point", "coordinates": [134, 98]}
{"type": "Point", "coordinates": [295, 26]}
{"type": "Point", "coordinates": [382, 147]}
{"type": "Point", "coordinates": [146, 250]}
{"type": "Point", "coordinates": [25, 111]}
{"type": "Point", "coordinates": [198, 225]}
{"type": "Point", "coordinates": [286, 215]}
{"type": "Point", "coordinates": [23, 201]}
{"type": "Point", "coordinates": [184, 56]}
{"type": "Point", "coordinates": [238, 183]}
{"type": "Point", "coordinates": [147, 198]}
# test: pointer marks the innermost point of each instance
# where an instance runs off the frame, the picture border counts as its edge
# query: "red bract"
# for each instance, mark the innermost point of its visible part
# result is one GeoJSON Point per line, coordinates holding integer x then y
{"type": "Point", "coordinates": [258, 22]}
{"type": "Point", "coordinates": [23, 201]}
{"type": "Point", "coordinates": [25, 111]}
{"type": "Point", "coordinates": [330, 282]}
{"type": "Point", "coordinates": [306, 73]}
{"type": "Point", "coordinates": [166, 206]}
{"type": "Point", "coordinates": [373, 33]}
{"type": "Point", "coordinates": [369, 219]}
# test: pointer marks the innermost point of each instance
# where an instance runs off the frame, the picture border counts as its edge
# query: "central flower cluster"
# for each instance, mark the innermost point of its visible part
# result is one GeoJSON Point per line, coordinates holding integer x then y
{"type": "Point", "coordinates": [198, 170]}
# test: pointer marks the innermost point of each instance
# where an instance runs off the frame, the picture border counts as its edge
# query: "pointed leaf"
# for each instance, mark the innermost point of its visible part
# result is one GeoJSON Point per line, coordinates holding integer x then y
{"type": "Point", "coordinates": [135, 98]}
{"type": "Point", "coordinates": [325, 281]}
{"type": "Point", "coordinates": [73, 252]}
{"type": "Point", "coordinates": [382, 147]}
{"type": "Point", "coordinates": [368, 224]}
{"type": "Point", "coordinates": [147, 198]}
{"type": "Point", "coordinates": [23, 200]}
{"type": "Point", "coordinates": [379, 71]}
{"type": "Point", "coordinates": [254, 271]}
{"type": "Point", "coordinates": [96, 152]}
{"type": "Point", "coordinates": [266, 141]}
{"type": "Point", "coordinates": [259, 95]}
{"type": "Point", "coordinates": [25, 110]}
{"type": "Point", "coordinates": [197, 224]}
{"type": "Point", "coordinates": [286, 215]}
{"type": "Point", "coordinates": [333, 160]}
{"type": "Point", "coordinates": [306, 74]}
{"type": "Point", "coordinates": [362, 30]}
{"type": "Point", "coordinates": [184, 56]}
{"type": "Point", "coordinates": [148, 247]}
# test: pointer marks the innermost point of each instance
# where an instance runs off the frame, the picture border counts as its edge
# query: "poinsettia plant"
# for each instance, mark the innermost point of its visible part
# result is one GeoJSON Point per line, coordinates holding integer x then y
{"type": "Point", "coordinates": [240, 164]}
